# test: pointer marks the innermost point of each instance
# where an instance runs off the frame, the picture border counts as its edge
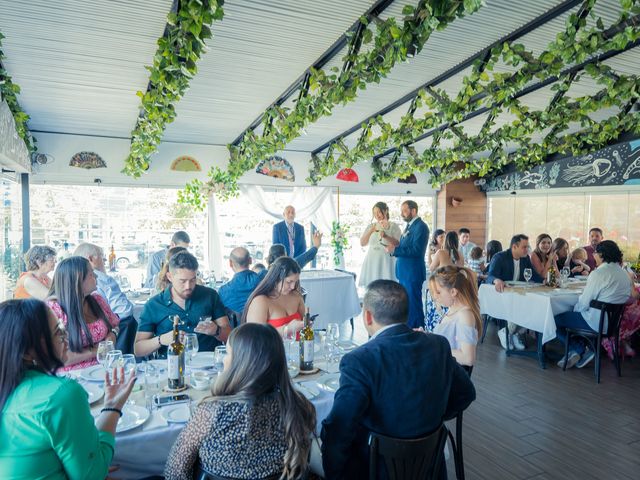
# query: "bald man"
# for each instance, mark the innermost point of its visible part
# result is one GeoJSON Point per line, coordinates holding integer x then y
{"type": "Point", "coordinates": [235, 292]}
{"type": "Point", "coordinates": [289, 233]}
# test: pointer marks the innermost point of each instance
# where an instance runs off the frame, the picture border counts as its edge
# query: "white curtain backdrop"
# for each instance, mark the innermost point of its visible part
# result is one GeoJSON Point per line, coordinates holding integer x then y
{"type": "Point", "coordinates": [312, 204]}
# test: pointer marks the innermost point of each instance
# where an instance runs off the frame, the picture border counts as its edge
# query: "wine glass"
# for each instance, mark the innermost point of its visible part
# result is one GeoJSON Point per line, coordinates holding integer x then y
{"type": "Point", "coordinates": [113, 360]}
{"type": "Point", "coordinates": [191, 346]}
{"type": "Point", "coordinates": [152, 380]}
{"type": "Point", "coordinates": [564, 275]}
{"type": "Point", "coordinates": [104, 348]}
{"type": "Point", "coordinates": [527, 274]}
{"type": "Point", "coordinates": [128, 362]}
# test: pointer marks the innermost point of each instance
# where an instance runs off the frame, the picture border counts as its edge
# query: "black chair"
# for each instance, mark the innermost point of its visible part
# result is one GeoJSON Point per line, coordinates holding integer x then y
{"type": "Point", "coordinates": [406, 459]}
{"type": "Point", "coordinates": [613, 313]}
{"type": "Point", "coordinates": [355, 277]}
{"type": "Point", "coordinates": [456, 444]}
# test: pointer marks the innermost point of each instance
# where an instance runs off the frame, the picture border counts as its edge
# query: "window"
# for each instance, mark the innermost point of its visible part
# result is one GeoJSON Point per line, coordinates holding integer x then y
{"type": "Point", "coordinates": [10, 237]}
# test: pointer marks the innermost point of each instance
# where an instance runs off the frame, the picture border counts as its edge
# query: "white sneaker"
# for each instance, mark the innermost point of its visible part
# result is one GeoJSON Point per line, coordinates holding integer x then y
{"type": "Point", "coordinates": [502, 336]}
{"type": "Point", "coordinates": [516, 341]}
{"type": "Point", "coordinates": [572, 359]}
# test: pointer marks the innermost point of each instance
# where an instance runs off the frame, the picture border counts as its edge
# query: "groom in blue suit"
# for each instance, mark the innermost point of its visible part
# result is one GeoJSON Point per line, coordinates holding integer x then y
{"type": "Point", "coordinates": [290, 234]}
{"type": "Point", "coordinates": [410, 267]}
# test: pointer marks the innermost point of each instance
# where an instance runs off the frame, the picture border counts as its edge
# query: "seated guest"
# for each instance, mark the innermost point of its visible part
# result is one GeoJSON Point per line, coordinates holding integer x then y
{"type": "Point", "coordinates": [401, 383]}
{"type": "Point", "coordinates": [465, 244]}
{"type": "Point", "coordinates": [608, 283]}
{"type": "Point", "coordinates": [436, 243]}
{"type": "Point", "coordinates": [35, 282]}
{"type": "Point", "coordinates": [475, 262]}
{"type": "Point", "coordinates": [542, 257]}
{"type": "Point", "coordinates": [559, 254]}
{"type": "Point", "coordinates": [46, 426]}
{"type": "Point", "coordinates": [163, 281]}
{"type": "Point", "coordinates": [258, 268]}
{"type": "Point", "coordinates": [449, 254]}
{"type": "Point", "coordinates": [509, 265]}
{"type": "Point", "coordinates": [277, 299]}
{"type": "Point", "coordinates": [578, 263]}
{"type": "Point", "coordinates": [84, 313]}
{"type": "Point", "coordinates": [109, 289]}
{"type": "Point", "coordinates": [235, 292]}
{"type": "Point", "coordinates": [629, 325]}
{"type": "Point", "coordinates": [492, 248]}
{"type": "Point", "coordinates": [256, 425]}
{"type": "Point", "coordinates": [595, 237]}
{"type": "Point", "coordinates": [196, 306]}
{"type": "Point", "coordinates": [156, 260]}
{"type": "Point", "coordinates": [457, 289]}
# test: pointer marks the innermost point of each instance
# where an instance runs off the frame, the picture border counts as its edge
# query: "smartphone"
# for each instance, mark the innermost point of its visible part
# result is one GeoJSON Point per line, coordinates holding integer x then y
{"type": "Point", "coordinates": [164, 400]}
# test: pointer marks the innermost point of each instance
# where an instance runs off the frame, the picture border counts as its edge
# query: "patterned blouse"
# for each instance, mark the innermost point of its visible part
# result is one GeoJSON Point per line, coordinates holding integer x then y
{"type": "Point", "coordinates": [98, 329]}
{"type": "Point", "coordinates": [235, 439]}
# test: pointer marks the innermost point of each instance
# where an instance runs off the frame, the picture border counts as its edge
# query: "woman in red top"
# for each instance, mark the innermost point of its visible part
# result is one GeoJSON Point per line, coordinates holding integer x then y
{"type": "Point", "coordinates": [277, 300]}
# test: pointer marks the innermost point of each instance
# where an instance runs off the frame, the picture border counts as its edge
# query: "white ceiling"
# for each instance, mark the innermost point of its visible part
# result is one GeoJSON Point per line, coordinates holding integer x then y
{"type": "Point", "coordinates": [79, 63]}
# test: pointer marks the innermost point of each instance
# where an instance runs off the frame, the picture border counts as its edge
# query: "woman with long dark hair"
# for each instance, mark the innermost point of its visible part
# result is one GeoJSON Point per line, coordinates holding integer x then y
{"type": "Point", "coordinates": [436, 243]}
{"type": "Point", "coordinates": [542, 257]}
{"type": "Point", "coordinates": [449, 254]}
{"type": "Point", "coordinates": [255, 426]}
{"type": "Point", "coordinates": [46, 427]}
{"type": "Point", "coordinates": [84, 313]}
{"type": "Point", "coordinates": [378, 264]}
{"type": "Point", "coordinates": [277, 300]}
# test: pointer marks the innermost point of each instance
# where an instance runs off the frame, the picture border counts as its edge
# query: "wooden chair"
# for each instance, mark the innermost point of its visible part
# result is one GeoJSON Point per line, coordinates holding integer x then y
{"type": "Point", "coordinates": [456, 444]}
{"type": "Point", "coordinates": [408, 459]}
{"type": "Point", "coordinates": [613, 313]}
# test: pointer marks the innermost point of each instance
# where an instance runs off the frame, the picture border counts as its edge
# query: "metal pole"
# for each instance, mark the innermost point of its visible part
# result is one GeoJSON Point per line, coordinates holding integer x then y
{"type": "Point", "coordinates": [26, 213]}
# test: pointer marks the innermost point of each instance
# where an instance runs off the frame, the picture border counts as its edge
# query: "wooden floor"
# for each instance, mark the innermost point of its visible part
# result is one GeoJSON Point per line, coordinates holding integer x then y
{"type": "Point", "coordinates": [528, 423]}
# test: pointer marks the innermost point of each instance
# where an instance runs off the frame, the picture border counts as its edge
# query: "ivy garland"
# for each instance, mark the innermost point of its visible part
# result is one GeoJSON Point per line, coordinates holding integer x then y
{"type": "Point", "coordinates": [174, 65]}
{"type": "Point", "coordinates": [388, 46]}
{"type": "Point", "coordinates": [10, 91]}
{"type": "Point", "coordinates": [497, 93]}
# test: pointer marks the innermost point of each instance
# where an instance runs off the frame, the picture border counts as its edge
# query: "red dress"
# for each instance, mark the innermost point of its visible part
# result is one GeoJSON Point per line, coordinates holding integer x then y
{"type": "Point", "coordinates": [279, 322]}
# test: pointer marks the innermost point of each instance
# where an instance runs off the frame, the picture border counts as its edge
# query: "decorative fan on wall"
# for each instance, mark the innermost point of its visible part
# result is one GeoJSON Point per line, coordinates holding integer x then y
{"type": "Point", "coordinates": [185, 163]}
{"type": "Point", "coordinates": [88, 160]}
{"type": "Point", "coordinates": [276, 167]}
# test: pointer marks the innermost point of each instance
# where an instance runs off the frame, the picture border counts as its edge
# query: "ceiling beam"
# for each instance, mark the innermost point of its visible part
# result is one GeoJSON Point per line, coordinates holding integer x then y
{"type": "Point", "coordinates": [333, 50]}
{"type": "Point", "coordinates": [483, 55]}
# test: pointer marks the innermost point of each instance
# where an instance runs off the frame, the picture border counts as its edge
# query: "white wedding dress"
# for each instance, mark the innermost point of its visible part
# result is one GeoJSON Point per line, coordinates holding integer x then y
{"type": "Point", "coordinates": [378, 264]}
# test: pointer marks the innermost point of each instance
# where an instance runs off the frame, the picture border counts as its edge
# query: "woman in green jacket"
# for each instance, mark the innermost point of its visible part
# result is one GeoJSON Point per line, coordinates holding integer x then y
{"type": "Point", "coordinates": [46, 427]}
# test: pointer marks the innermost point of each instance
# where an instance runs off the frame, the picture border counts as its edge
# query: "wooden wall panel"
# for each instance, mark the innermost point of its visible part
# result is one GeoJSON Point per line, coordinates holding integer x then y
{"type": "Point", "coordinates": [472, 213]}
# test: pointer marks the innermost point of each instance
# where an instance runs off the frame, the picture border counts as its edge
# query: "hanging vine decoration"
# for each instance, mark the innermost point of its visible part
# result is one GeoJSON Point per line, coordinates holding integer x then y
{"type": "Point", "coordinates": [174, 65]}
{"type": "Point", "coordinates": [388, 46]}
{"type": "Point", "coordinates": [497, 93]}
{"type": "Point", "coordinates": [10, 92]}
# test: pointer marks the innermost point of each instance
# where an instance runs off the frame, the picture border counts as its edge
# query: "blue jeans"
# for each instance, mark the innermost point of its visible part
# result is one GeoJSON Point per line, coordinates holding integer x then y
{"type": "Point", "coordinates": [571, 320]}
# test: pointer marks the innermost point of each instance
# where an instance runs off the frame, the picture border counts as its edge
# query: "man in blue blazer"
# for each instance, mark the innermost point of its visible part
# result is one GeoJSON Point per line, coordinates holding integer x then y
{"type": "Point", "coordinates": [289, 233]}
{"type": "Point", "coordinates": [410, 267]}
{"type": "Point", "coordinates": [509, 265]}
{"type": "Point", "coordinates": [401, 383]}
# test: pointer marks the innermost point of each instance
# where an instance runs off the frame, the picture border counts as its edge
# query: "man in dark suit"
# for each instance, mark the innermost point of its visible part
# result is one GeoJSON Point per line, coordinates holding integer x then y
{"type": "Point", "coordinates": [506, 266]}
{"type": "Point", "coordinates": [401, 383]}
{"type": "Point", "coordinates": [289, 233]}
{"type": "Point", "coordinates": [410, 268]}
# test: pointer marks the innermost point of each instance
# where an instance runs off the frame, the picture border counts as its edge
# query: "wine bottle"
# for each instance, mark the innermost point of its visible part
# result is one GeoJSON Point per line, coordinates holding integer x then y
{"type": "Point", "coordinates": [551, 277]}
{"type": "Point", "coordinates": [175, 359]}
{"type": "Point", "coordinates": [306, 343]}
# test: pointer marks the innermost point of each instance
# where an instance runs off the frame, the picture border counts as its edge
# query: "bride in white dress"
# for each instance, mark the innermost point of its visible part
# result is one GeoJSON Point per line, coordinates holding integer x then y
{"type": "Point", "coordinates": [378, 264]}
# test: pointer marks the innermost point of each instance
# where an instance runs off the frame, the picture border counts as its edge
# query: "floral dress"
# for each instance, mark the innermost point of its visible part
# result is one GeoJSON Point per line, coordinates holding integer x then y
{"type": "Point", "coordinates": [434, 313]}
{"type": "Point", "coordinates": [98, 329]}
{"type": "Point", "coordinates": [629, 324]}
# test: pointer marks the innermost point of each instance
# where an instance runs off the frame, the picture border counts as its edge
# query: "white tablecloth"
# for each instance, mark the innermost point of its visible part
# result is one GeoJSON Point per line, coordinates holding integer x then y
{"type": "Point", "coordinates": [533, 310]}
{"type": "Point", "coordinates": [330, 294]}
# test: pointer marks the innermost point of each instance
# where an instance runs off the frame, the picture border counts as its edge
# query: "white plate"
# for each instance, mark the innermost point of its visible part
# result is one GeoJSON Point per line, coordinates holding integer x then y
{"type": "Point", "coordinates": [329, 382]}
{"type": "Point", "coordinates": [93, 374]}
{"type": "Point", "coordinates": [94, 391]}
{"type": "Point", "coordinates": [308, 389]}
{"type": "Point", "coordinates": [203, 360]}
{"type": "Point", "coordinates": [132, 416]}
{"type": "Point", "coordinates": [176, 413]}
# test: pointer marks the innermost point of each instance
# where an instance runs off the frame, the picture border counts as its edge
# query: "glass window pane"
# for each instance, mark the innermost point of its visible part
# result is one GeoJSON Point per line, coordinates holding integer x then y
{"type": "Point", "coordinates": [500, 219]}
{"type": "Point", "coordinates": [530, 216]}
{"type": "Point", "coordinates": [566, 218]}
{"type": "Point", "coordinates": [610, 212]}
{"type": "Point", "coordinates": [10, 238]}
{"type": "Point", "coordinates": [633, 245]}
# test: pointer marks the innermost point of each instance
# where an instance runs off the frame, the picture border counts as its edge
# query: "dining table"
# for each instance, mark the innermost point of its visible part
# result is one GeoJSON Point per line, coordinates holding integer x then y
{"type": "Point", "coordinates": [146, 434]}
{"type": "Point", "coordinates": [532, 306]}
{"type": "Point", "coordinates": [330, 294]}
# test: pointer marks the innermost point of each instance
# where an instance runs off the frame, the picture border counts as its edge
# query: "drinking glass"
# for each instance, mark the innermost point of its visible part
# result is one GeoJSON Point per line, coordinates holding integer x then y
{"type": "Point", "coordinates": [190, 346]}
{"type": "Point", "coordinates": [113, 360]}
{"type": "Point", "coordinates": [289, 338]}
{"type": "Point", "coordinates": [128, 362]}
{"type": "Point", "coordinates": [218, 357]}
{"type": "Point", "coordinates": [333, 335]}
{"type": "Point", "coordinates": [564, 275]}
{"type": "Point", "coordinates": [152, 382]}
{"type": "Point", "coordinates": [527, 274]}
{"type": "Point", "coordinates": [104, 348]}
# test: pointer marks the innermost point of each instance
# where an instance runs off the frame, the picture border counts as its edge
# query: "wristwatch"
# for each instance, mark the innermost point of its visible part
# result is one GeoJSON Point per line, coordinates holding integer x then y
{"type": "Point", "coordinates": [115, 331]}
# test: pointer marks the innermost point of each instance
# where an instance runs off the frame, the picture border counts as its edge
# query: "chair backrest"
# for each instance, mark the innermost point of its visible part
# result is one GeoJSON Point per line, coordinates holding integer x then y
{"type": "Point", "coordinates": [613, 311]}
{"type": "Point", "coordinates": [408, 459]}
